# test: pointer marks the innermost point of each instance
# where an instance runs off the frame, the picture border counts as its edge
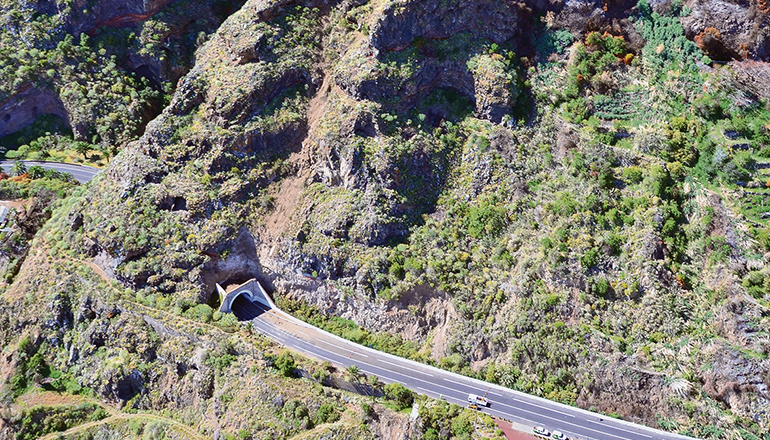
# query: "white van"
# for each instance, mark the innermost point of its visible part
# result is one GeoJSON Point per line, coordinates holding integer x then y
{"type": "Point", "coordinates": [478, 400]}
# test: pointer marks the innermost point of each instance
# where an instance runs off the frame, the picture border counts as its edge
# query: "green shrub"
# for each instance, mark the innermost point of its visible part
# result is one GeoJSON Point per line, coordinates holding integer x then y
{"type": "Point", "coordinates": [564, 204]}
{"type": "Point", "coordinates": [402, 396]}
{"type": "Point", "coordinates": [285, 363]}
{"type": "Point", "coordinates": [461, 426]}
{"type": "Point", "coordinates": [633, 174]}
{"type": "Point", "coordinates": [590, 258]}
{"type": "Point", "coordinates": [201, 312]}
{"type": "Point", "coordinates": [327, 414]}
{"type": "Point", "coordinates": [486, 219]}
{"type": "Point", "coordinates": [602, 287]}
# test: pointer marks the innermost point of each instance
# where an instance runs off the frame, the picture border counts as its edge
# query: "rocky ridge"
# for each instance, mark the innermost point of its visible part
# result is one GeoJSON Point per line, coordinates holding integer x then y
{"type": "Point", "coordinates": [451, 194]}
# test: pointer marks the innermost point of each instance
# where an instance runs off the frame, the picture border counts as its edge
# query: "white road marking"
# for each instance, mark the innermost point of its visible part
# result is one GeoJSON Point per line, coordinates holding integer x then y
{"type": "Point", "coordinates": [352, 352]}
{"type": "Point", "coordinates": [323, 357]}
{"type": "Point", "coordinates": [605, 434]}
{"type": "Point", "coordinates": [388, 378]}
{"type": "Point", "coordinates": [429, 392]}
{"type": "Point", "coordinates": [408, 378]}
{"type": "Point", "coordinates": [329, 343]}
{"type": "Point", "coordinates": [405, 366]}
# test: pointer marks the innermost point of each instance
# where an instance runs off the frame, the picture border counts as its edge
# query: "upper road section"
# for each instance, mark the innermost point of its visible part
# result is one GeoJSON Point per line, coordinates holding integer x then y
{"type": "Point", "coordinates": [81, 172]}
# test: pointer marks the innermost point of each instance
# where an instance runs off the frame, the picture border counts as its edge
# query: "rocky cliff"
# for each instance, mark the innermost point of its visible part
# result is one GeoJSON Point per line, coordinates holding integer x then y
{"type": "Point", "coordinates": [567, 198]}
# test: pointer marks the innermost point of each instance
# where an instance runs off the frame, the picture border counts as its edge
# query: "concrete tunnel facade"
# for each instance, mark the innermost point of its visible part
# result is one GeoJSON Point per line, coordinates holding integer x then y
{"type": "Point", "coordinates": [251, 289]}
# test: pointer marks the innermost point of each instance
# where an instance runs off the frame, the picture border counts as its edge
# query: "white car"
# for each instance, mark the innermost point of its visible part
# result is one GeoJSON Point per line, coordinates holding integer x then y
{"type": "Point", "coordinates": [539, 430]}
{"type": "Point", "coordinates": [557, 435]}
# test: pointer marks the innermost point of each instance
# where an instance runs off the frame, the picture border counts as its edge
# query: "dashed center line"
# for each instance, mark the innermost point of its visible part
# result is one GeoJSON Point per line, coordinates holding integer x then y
{"type": "Point", "coordinates": [404, 366]}
{"type": "Point", "coordinates": [415, 378]}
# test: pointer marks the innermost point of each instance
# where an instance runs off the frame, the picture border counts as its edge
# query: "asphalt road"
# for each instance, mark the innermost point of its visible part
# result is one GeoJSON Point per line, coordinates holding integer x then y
{"type": "Point", "coordinates": [437, 383]}
{"type": "Point", "coordinates": [81, 172]}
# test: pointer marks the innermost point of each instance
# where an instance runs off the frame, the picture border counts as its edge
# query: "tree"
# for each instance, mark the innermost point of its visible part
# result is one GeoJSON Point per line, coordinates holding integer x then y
{"type": "Point", "coordinates": [36, 172]}
{"type": "Point", "coordinates": [82, 148]}
{"type": "Point", "coordinates": [51, 173]}
{"type": "Point", "coordinates": [353, 373]}
{"type": "Point", "coordinates": [18, 168]}
{"type": "Point", "coordinates": [374, 382]}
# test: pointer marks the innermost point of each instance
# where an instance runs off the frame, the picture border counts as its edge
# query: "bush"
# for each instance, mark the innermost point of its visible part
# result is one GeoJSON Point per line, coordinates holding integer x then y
{"type": "Point", "coordinates": [201, 312]}
{"type": "Point", "coordinates": [296, 409]}
{"type": "Point", "coordinates": [565, 204]}
{"type": "Point", "coordinates": [228, 321]}
{"type": "Point", "coordinates": [398, 393]}
{"type": "Point", "coordinates": [220, 361]}
{"type": "Point", "coordinates": [486, 219]}
{"type": "Point", "coordinates": [590, 258]}
{"type": "Point", "coordinates": [285, 363]}
{"type": "Point", "coordinates": [633, 174]}
{"type": "Point", "coordinates": [327, 414]}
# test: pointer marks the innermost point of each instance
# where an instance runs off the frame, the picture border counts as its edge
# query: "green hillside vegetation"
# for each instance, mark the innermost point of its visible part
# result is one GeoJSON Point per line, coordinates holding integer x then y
{"type": "Point", "coordinates": [582, 217]}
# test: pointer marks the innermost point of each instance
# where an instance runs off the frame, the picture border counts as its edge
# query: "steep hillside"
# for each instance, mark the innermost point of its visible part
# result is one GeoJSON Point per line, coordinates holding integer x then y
{"type": "Point", "coordinates": [88, 76]}
{"type": "Point", "coordinates": [567, 198]}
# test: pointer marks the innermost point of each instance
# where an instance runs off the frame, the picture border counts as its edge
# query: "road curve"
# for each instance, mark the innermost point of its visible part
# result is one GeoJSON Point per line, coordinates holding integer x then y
{"type": "Point", "coordinates": [81, 172]}
{"type": "Point", "coordinates": [434, 382]}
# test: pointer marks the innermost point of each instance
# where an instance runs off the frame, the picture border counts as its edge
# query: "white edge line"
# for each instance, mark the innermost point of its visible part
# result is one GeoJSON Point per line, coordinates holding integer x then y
{"type": "Point", "coordinates": [555, 405]}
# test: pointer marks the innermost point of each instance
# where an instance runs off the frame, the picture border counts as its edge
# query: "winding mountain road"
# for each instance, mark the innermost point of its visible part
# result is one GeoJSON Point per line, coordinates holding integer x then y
{"type": "Point", "coordinates": [434, 382]}
{"type": "Point", "coordinates": [81, 172]}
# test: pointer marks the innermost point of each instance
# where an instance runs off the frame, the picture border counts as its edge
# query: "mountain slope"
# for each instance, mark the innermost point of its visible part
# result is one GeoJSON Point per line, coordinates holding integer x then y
{"type": "Point", "coordinates": [565, 198]}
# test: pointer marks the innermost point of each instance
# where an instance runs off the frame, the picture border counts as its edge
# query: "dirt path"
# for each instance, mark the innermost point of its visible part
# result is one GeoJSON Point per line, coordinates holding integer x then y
{"type": "Point", "coordinates": [99, 271]}
{"type": "Point", "coordinates": [55, 399]}
{"type": "Point", "coordinates": [124, 416]}
{"type": "Point", "coordinates": [79, 428]}
{"type": "Point", "coordinates": [18, 204]}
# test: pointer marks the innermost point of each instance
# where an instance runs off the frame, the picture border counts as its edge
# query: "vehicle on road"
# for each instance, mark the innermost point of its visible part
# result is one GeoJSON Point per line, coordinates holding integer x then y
{"type": "Point", "coordinates": [478, 400]}
{"type": "Point", "coordinates": [473, 406]}
{"type": "Point", "coordinates": [557, 435]}
{"type": "Point", "coordinates": [540, 431]}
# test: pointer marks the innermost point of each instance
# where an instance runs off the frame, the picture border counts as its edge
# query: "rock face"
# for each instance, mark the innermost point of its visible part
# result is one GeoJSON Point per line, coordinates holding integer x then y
{"type": "Point", "coordinates": [72, 65]}
{"type": "Point", "coordinates": [23, 108]}
{"type": "Point", "coordinates": [743, 27]}
{"type": "Point", "coordinates": [421, 26]}
{"type": "Point", "coordinates": [404, 22]}
{"type": "Point", "coordinates": [383, 162]}
{"type": "Point", "coordinates": [81, 18]}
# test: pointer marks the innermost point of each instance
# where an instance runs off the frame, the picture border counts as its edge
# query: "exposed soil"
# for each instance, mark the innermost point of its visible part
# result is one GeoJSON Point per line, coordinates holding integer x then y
{"type": "Point", "coordinates": [49, 399]}
{"type": "Point", "coordinates": [17, 204]}
{"type": "Point", "coordinates": [286, 200]}
{"type": "Point", "coordinates": [288, 196]}
{"type": "Point", "coordinates": [511, 433]}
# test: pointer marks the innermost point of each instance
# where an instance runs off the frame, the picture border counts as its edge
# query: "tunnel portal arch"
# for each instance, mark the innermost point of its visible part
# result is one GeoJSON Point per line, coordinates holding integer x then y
{"type": "Point", "coordinates": [251, 289]}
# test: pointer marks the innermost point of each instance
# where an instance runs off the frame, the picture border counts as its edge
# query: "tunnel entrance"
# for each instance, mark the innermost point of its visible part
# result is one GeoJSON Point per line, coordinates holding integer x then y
{"type": "Point", "coordinates": [246, 310]}
{"type": "Point", "coordinates": [229, 285]}
{"type": "Point", "coordinates": [251, 291]}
